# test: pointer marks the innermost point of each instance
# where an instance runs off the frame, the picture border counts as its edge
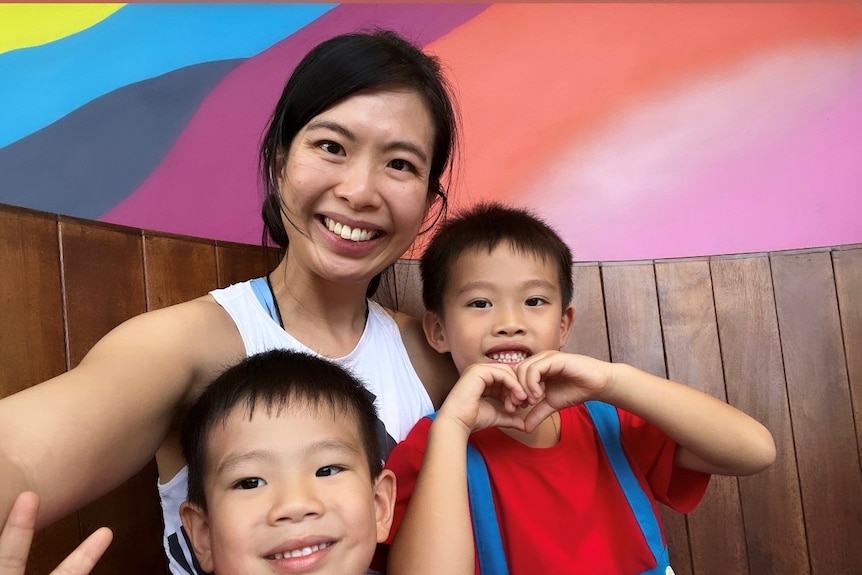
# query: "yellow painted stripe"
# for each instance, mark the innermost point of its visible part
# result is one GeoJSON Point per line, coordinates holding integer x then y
{"type": "Point", "coordinates": [26, 25]}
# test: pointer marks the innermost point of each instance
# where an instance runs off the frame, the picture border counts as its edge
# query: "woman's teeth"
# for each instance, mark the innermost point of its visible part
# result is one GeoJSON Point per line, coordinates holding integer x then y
{"type": "Point", "coordinates": [300, 552]}
{"type": "Point", "coordinates": [509, 356]}
{"type": "Point", "coordinates": [348, 233]}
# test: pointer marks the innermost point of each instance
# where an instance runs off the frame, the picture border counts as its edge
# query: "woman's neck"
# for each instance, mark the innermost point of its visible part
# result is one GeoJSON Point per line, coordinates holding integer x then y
{"type": "Point", "coordinates": [327, 317]}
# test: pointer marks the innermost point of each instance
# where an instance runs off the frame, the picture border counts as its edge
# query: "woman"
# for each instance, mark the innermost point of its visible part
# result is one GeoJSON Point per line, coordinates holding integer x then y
{"type": "Point", "coordinates": [352, 164]}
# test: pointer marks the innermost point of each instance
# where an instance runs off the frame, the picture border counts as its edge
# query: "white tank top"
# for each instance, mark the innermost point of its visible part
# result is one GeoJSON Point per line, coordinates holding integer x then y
{"type": "Point", "coordinates": [380, 360]}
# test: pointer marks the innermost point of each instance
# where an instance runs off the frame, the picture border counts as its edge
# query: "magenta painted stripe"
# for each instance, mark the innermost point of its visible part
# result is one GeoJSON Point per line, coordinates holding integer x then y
{"type": "Point", "coordinates": [207, 185]}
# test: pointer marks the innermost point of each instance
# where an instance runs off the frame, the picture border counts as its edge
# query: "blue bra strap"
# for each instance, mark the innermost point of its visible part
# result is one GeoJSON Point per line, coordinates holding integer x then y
{"type": "Point", "coordinates": [607, 423]}
{"type": "Point", "coordinates": [489, 545]}
{"type": "Point", "coordinates": [264, 296]}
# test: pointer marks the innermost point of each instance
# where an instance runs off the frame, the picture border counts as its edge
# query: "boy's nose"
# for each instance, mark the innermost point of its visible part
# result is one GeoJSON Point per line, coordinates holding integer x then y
{"type": "Point", "coordinates": [509, 322]}
{"type": "Point", "coordinates": [295, 502]}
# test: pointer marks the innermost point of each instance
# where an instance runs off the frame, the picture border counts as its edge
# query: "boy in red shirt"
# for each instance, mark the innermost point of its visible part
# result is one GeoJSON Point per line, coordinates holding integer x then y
{"type": "Point", "coordinates": [577, 450]}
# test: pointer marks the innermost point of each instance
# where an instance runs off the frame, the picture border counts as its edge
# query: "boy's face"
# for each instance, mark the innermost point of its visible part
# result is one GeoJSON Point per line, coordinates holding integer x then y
{"type": "Point", "coordinates": [501, 306]}
{"type": "Point", "coordinates": [289, 493]}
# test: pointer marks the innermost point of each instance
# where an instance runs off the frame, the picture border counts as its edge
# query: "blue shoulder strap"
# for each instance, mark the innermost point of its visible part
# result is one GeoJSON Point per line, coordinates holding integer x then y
{"type": "Point", "coordinates": [607, 423]}
{"type": "Point", "coordinates": [489, 545]}
{"type": "Point", "coordinates": [264, 296]}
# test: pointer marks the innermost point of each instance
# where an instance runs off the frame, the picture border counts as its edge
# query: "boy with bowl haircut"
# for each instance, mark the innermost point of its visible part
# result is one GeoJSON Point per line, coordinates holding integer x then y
{"type": "Point", "coordinates": [285, 473]}
{"type": "Point", "coordinates": [566, 455]}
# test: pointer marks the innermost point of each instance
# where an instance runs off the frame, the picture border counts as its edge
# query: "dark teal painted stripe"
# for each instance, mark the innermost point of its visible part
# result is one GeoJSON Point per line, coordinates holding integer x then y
{"type": "Point", "coordinates": [41, 84]}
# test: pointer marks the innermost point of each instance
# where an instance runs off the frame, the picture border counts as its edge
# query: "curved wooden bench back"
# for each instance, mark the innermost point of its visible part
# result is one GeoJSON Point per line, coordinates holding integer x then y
{"type": "Point", "coordinates": [778, 335]}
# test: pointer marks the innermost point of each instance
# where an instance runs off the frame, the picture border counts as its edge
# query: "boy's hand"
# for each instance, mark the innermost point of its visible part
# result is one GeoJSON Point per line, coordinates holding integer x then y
{"type": "Point", "coordinates": [558, 380]}
{"type": "Point", "coordinates": [486, 395]}
{"type": "Point", "coordinates": [17, 534]}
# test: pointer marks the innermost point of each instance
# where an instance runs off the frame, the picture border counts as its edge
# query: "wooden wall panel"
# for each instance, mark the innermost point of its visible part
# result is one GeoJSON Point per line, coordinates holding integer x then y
{"type": "Point", "coordinates": [32, 339]}
{"type": "Point", "coordinates": [820, 409]}
{"type": "Point", "coordinates": [847, 264]}
{"type": "Point", "coordinates": [634, 332]}
{"type": "Point", "coordinates": [754, 377]}
{"type": "Point", "coordinates": [178, 269]}
{"type": "Point", "coordinates": [401, 288]}
{"type": "Point", "coordinates": [238, 262]}
{"type": "Point", "coordinates": [104, 285]}
{"type": "Point", "coordinates": [693, 357]}
{"type": "Point", "coordinates": [590, 332]}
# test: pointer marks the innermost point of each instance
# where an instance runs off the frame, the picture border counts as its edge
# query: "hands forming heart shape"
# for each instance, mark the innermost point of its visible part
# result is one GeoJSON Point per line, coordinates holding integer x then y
{"type": "Point", "coordinates": [521, 396]}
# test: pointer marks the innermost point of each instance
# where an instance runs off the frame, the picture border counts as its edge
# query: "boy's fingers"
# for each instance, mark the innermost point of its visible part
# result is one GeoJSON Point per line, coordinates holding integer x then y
{"type": "Point", "coordinates": [536, 415]}
{"type": "Point", "coordinates": [17, 534]}
{"type": "Point", "coordinates": [84, 558]}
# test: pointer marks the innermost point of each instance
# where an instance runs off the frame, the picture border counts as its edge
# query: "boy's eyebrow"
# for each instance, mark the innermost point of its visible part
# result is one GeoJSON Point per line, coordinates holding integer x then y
{"type": "Point", "coordinates": [236, 459]}
{"type": "Point", "coordinates": [344, 131]}
{"type": "Point", "coordinates": [480, 284]}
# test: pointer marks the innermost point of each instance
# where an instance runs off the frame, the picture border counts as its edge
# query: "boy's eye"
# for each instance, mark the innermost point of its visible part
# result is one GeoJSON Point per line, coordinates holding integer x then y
{"type": "Point", "coordinates": [535, 301]}
{"type": "Point", "coordinates": [479, 303]}
{"type": "Point", "coordinates": [249, 483]}
{"type": "Point", "coordinates": [402, 165]}
{"type": "Point", "coordinates": [332, 148]}
{"type": "Point", "coordinates": [328, 470]}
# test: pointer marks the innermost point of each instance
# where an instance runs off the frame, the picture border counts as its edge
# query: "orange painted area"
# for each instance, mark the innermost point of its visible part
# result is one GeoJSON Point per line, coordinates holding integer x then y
{"type": "Point", "coordinates": [524, 96]}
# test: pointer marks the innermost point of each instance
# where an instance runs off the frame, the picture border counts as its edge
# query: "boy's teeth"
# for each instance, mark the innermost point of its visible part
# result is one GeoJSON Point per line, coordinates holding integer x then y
{"type": "Point", "coordinates": [509, 356]}
{"type": "Point", "coordinates": [348, 233]}
{"type": "Point", "coordinates": [301, 552]}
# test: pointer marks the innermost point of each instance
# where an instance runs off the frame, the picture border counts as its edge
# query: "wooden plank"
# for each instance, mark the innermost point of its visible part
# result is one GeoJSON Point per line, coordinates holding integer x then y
{"type": "Point", "coordinates": [32, 338]}
{"type": "Point", "coordinates": [238, 262]}
{"type": "Point", "coordinates": [634, 332]}
{"type": "Point", "coordinates": [693, 357]}
{"type": "Point", "coordinates": [178, 269]}
{"type": "Point", "coordinates": [104, 285]}
{"type": "Point", "coordinates": [754, 378]}
{"type": "Point", "coordinates": [401, 288]}
{"type": "Point", "coordinates": [820, 408]}
{"type": "Point", "coordinates": [590, 332]}
{"type": "Point", "coordinates": [847, 264]}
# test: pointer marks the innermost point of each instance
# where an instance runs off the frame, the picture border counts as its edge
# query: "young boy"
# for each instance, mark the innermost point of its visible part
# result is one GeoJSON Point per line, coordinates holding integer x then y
{"type": "Point", "coordinates": [570, 487]}
{"type": "Point", "coordinates": [285, 476]}
{"type": "Point", "coordinates": [285, 473]}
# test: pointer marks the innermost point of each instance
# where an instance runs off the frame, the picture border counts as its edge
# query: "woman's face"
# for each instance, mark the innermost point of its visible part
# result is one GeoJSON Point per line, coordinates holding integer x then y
{"type": "Point", "coordinates": [354, 184]}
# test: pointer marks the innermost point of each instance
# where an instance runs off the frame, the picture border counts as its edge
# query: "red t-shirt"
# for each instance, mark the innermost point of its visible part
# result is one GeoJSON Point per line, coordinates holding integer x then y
{"type": "Point", "coordinates": [561, 509]}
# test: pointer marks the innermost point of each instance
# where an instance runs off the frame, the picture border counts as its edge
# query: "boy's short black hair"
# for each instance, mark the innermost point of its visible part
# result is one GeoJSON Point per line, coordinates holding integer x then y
{"type": "Point", "coordinates": [275, 381]}
{"type": "Point", "coordinates": [485, 226]}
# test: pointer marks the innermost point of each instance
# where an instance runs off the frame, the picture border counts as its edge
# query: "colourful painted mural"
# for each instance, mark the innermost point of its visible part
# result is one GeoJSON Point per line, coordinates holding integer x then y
{"type": "Point", "coordinates": [640, 131]}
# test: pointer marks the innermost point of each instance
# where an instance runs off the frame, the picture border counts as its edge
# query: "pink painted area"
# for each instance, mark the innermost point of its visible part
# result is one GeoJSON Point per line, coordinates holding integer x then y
{"type": "Point", "coordinates": [764, 160]}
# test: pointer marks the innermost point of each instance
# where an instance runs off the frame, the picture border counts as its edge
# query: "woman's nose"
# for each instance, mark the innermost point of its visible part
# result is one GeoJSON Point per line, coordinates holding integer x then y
{"type": "Point", "coordinates": [358, 186]}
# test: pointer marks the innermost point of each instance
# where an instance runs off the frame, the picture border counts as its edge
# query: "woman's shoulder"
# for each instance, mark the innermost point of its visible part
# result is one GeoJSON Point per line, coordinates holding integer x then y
{"type": "Point", "coordinates": [436, 370]}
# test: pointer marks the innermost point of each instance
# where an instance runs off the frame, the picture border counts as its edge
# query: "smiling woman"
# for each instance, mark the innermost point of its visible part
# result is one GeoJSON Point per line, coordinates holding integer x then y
{"type": "Point", "coordinates": [361, 138]}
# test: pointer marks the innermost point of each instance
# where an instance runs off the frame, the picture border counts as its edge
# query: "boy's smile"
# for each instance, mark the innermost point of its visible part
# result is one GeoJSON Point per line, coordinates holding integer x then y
{"type": "Point", "coordinates": [501, 306]}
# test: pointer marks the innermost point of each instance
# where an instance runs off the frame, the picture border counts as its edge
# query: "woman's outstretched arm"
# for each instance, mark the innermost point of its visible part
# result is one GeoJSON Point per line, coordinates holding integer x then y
{"type": "Point", "coordinates": [75, 437]}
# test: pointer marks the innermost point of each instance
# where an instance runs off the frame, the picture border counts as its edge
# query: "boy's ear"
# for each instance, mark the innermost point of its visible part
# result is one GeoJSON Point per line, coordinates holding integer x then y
{"type": "Point", "coordinates": [435, 332]}
{"type": "Point", "coordinates": [197, 527]}
{"type": "Point", "coordinates": [384, 503]}
{"type": "Point", "coordinates": [566, 323]}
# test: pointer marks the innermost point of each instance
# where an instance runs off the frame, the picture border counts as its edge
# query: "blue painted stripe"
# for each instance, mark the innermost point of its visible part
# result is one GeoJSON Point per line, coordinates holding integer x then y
{"type": "Point", "coordinates": [42, 84]}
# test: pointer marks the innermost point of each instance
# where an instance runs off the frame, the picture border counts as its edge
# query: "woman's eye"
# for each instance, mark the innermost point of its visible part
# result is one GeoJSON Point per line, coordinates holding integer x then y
{"type": "Point", "coordinates": [332, 148]}
{"type": "Point", "coordinates": [328, 470]}
{"type": "Point", "coordinates": [249, 483]}
{"type": "Point", "coordinates": [401, 165]}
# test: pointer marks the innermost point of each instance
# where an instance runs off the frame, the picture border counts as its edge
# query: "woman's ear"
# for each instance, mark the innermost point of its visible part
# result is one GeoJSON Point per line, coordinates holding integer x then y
{"type": "Point", "coordinates": [435, 332]}
{"type": "Point", "coordinates": [384, 503]}
{"type": "Point", "coordinates": [197, 527]}
{"type": "Point", "coordinates": [566, 323]}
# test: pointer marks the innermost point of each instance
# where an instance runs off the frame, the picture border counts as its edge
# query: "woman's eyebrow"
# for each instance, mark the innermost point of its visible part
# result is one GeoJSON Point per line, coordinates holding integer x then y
{"type": "Point", "coordinates": [404, 145]}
